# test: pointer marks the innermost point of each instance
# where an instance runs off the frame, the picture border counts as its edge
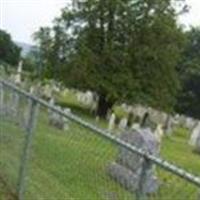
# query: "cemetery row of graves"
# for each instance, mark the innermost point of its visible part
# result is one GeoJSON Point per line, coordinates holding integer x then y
{"type": "Point", "coordinates": [73, 162]}
{"type": "Point", "coordinates": [119, 118]}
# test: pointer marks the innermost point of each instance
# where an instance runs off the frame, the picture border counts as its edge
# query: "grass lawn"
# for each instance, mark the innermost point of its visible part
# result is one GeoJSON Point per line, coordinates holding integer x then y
{"type": "Point", "coordinates": [72, 164]}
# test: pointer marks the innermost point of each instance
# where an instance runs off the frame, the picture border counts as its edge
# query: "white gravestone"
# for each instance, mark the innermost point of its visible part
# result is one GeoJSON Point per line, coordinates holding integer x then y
{"type": "Point", "coordinates": [18, 79]}
{"type": "Point", "coordinates": [123, 123]}
{"type": "Point", "coordinates": [190, 123]}
{"type": "Point", "coordinates": [195, 138]}
{"type": "Point", "coordinates": [111, 124]}
{"type": "Point", "coordinates": [159, 134]}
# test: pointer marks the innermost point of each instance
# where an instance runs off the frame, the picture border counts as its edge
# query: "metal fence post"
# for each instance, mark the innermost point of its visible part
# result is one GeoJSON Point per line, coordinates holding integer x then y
{"type": "Point", "coordinates": [33, 108]}
{"type": "Point", "coordinates": [140, 193]}
{"type": "Point", "coordinates": [1, 97]}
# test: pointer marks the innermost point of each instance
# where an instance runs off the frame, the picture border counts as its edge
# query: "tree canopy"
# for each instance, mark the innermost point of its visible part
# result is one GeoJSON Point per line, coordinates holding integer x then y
{"type": "Point", "coordinates": [9, 51]}
{"type": "Point", "coordinates": [189, 71]}
{"type": "Point", "coordinates": [125, 50]}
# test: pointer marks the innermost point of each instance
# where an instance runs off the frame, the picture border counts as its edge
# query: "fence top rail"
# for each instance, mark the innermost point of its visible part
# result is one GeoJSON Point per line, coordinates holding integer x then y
{"type": "Point", "coordinates": [103, 133]}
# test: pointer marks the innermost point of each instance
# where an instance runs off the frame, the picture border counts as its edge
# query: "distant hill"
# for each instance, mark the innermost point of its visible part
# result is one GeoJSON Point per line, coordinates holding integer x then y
{"type": "Point", "coordinates": [26, 48]}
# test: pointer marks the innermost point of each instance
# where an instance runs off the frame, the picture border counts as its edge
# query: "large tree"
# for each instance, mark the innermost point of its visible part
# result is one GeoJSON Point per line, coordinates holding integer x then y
{"type": "Point", "coordinates": [125, 50]}
{"type": "Point", "coordinates": [189, 71]}
{"type": "Point", "coordinates": [9, 51]}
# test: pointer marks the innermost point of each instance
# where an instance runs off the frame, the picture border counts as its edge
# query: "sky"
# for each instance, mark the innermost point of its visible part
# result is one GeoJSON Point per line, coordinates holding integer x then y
{"type": "Point", "coordinates": [23, 17]}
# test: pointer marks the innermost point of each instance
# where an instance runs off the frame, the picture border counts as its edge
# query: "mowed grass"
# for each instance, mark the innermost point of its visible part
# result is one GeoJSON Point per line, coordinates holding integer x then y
{"type": "Point", "coordinates": [72, 164]}
{"type": "Point", "coordinates": [64, 165]}
{"type": "Point", "coordinates": [176, 149]}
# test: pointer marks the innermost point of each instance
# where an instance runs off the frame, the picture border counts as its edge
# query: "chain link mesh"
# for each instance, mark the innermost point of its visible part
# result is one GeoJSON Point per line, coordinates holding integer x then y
{"type": "Point", "coordinates": [73, 163]}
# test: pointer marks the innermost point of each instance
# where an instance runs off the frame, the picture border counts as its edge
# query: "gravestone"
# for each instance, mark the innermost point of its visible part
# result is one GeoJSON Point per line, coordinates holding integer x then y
{"type": "Point", "coordinates": [55, 119]}
{"type": "Point", "coordinates": [139, 111]}
{"type": "Point", "coordinates": [47, 91]}
{"type": "Point", "coordinates": [127, 170]}
{"type": "Point", "coordinates": [158, 117]}
{"type": "Point", "coordinates": [111, 123]}
{"type": "Point", "coordinates": [123, 123]}
{"type": "Point", "coordinates": [195, 138]}
{"type": "Point", "coordinates": [59, 121]}
{"type": "Point", "coordinates": [168, 126]}
{"type": "Point", "coordinates": [159, 134]}
{"type": "Point", "coordinates": [190, 123]}
{"type": "Point", "coordinates": [18, 78]}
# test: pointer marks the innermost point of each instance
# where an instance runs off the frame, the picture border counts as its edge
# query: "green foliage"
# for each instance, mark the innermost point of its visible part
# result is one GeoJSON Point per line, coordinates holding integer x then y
{"type": "Point", "coordinates": [9, 51]}
{"type": "Point", "coordinates": [189, 70]}
{"type": "Point", "coordinates": [29, 63]}
{"type": "Point", "coordinates": [123, 50]}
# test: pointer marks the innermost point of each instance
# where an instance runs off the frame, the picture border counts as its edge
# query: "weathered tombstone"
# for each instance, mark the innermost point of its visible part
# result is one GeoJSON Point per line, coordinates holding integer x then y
{"type": "Point", "coordinates": [18, 78]}
{"type": "Point", "coordinates": [88, 98]}
{"type": "Point", "coordinates": [175, 120]}
{"type": "Point", "coordinates": [111, 124]}
{"type": "Point", "coordinates": [190, 123]}
{"type": "Point", "coordinates": [156, 116]}
{"type": "Point", "coordinates": [55, 88]}
{"type": "Point", "coordinates": [47, 91]}
{"type": "Point", "coordinates": [123, 123]}
{"type": "Point", "coordinates": [195, 138]}
{"type": "Point", "coordinates": [159, 134]}
{"type": "Point", "coordinates": [57, 120]}
{"type": "Point", "coordinates": [168, 126]}
{"type": "Point", "coordinates": [182, 120]}
{"type": "Point", "coordinates": [128, 170]}
{"type": "Point", "coordinates": [139, 111]}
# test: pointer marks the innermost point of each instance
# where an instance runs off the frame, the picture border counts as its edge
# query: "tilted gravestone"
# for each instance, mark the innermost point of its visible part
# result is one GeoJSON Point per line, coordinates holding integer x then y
{"type": "Point", "coordinates": [128, 169]}
{"type": "Point", "coordinates": [195, 138]}
{"type": "Point", "coordinates": [59, 121]}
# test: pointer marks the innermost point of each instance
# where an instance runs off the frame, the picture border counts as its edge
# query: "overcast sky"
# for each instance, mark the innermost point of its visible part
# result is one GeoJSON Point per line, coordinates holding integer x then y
{"type": "Point", "coordinates": [23, 17]}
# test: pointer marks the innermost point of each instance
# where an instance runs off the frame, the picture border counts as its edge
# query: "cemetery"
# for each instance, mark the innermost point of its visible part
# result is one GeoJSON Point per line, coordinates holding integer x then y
{"type": "Point", "coordinates": [102, 104]}
{"type": "Point", "coordinates": [119, 168]}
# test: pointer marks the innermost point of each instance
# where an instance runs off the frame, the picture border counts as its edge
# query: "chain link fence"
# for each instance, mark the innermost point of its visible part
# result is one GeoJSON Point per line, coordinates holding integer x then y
{"type": "Point", "coordinates": [47, 153]}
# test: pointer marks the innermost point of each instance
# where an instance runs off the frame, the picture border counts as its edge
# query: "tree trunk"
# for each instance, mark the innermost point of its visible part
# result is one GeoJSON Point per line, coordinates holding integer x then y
{"type": "Point", "coordinates": [103, 106]}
